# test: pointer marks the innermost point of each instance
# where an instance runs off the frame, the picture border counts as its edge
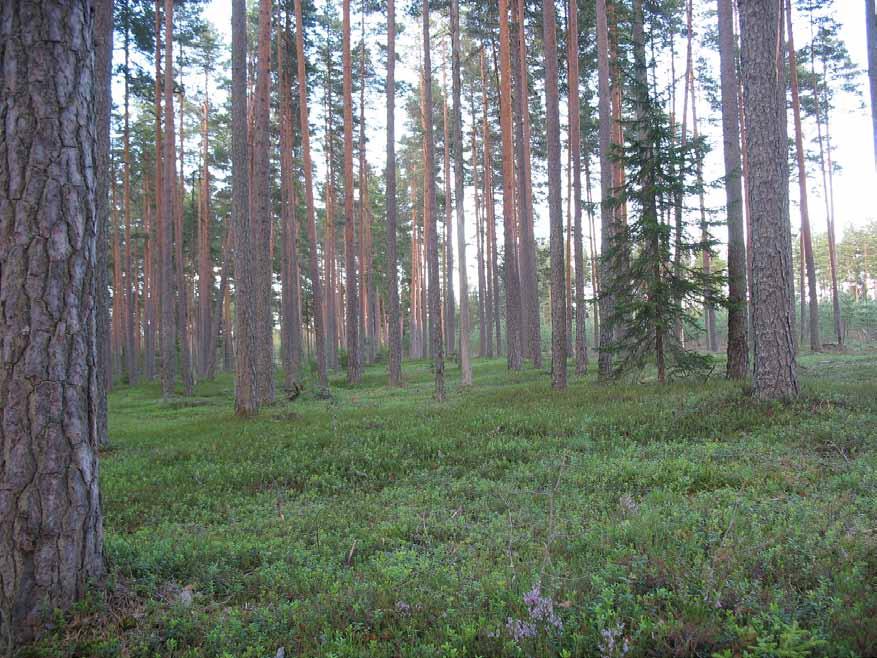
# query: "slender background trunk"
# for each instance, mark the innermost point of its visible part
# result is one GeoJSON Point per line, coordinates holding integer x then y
{"type": "Point", "coordinates": [555, 203]}
{"type": "Point", "coordinates": [432, 257]}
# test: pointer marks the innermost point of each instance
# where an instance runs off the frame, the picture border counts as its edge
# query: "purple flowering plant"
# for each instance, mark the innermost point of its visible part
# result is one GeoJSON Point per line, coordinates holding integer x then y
{"type": "Point", "coordinates": [541, 620]}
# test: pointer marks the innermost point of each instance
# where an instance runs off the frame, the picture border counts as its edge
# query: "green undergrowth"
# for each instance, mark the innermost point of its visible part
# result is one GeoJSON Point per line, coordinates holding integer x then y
{"type": "Point", "coordinates": [683, 520]}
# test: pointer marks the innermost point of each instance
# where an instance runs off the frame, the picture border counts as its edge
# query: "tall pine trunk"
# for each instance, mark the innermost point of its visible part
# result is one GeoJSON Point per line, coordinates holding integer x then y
{"type": "Point", "coordinates": [607, 212]}
{"type": "Point", "coordinates": [354, 372]}
{"type": "Point", "coordinates": [764, 95]}
{"type": "Point", "coordinates": [158, 251]}
{"type": "Point", "coordinates": [103, 103]}
{"type": "Point", "coordinates": [169, 182]}
{"type": "Point", "coordinates": [330, 270]}
{"type": "Point", "coordinates": [450, 306]}
{"type": "Point", "coordinates": [51, 533]}
{"type": "Point", "coordinates": [555, 203]}
{"type": "Point", "coordinates": [432, 256]}
{"type": "Point", "coordinates": [260, 201]}
{"type": "Point", "coordinates": [829, 199]}
{"type": "Point", "coordinates": [366, 336]}
{"type": "Point", "coordinates": [581, 344]}
{"type": "Point", "coordinates": [290, 332]}
{"type": "Point", "coordinates": [512, 278]}
{"type": "Point", "coordinates": [183, 290]}
{"type": "Point", "coordinates": [206, 357]}
{"type": "Point", "coordinates": [316, 284]}
{"type": "Point", "coordinates": [738, 343]}
{"type": "Point", "coordinates": [483, 329]}
{"type": "Point", "coordinates": [530, 330]}
{"type": "Point", "coordinates": [395, 329]}
{"type": "Point", "coordinates": [246, 396]}
{"type": "Point", "coordinates": [807, 255]}
{"type": "Point", "coordinates": [130, 353]}
{"type": "Point", "coordinates": [459, 176]}
{"type": "Point", "coordinates": [492, 314]}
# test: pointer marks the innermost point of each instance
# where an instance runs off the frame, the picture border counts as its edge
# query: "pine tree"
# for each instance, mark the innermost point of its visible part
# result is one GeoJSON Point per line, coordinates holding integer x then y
{"type": "Point", "coordinates": [764, 90]}
{"type": "Point", "coordinates": [429, 220]}
{"type": "Point", "coordinates": [183, 290]}
{"type": "Point", "coordinates": [738, 343]}
{"type": "Point", "coordinates": [206, 349]}
{"type": "Point", "coordinates": [395, 339]}
{"type": "Point", "coordinates": [103, 103]}
{"type": "Point", "coordinates": [806, 239]}
{"type": "Point", "coordinates": [514, 322]}
{"type": "Point", "coordinates": [169, 182]}
{"type": "Point", "coordinates": [51, 533]}
{"type": "Point", "coordinates": [246, 396]}
{"type": "Point", "coordinates": [290, 302]}
{"type": "Point", "coordinates": [607, 212]}
{"type": "Point", "coordinates": [354, 372]}
{"type": "Point", "coordinates": [316, 284]}
{"type": "Point", "coordinates": [130, 354]}
{"type": "Point", "coordinates": [581, 344]}
{"type": "Point", "coordinates": [555, 207]}
{"type": "Point", "coordinates": [260, 201]}
{"type": "Point", "coordinates": [459, 175]}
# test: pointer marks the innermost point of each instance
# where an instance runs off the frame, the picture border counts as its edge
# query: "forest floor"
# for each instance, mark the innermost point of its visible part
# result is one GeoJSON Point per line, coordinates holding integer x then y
{"type": "Point", "coordinates": [511, 520]}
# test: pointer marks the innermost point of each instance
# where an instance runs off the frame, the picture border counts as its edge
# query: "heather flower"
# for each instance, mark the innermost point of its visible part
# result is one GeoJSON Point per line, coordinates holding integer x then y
{"type": "Point", "coordinates": [542, 607]}
{"type": "Point", "coordinates": [613, 644]}
{"type": "Point", "coordinates": [520, 629]}
{"type": "Point", "coordinates": [541, 615]}
{"type": "Point", "coordinates": [403, 608]}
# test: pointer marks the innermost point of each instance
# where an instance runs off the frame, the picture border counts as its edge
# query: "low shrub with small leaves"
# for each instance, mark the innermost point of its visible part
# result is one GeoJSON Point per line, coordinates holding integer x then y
{"type": "Point", "coordinates": [628, 519]}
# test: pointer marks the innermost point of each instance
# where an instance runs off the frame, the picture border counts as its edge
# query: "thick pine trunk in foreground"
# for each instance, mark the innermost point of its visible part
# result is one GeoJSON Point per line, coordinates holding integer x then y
{"type": "Point", "coordinates": [51, 532]}
{"type": "Point", "coordinates": [764, 92]}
